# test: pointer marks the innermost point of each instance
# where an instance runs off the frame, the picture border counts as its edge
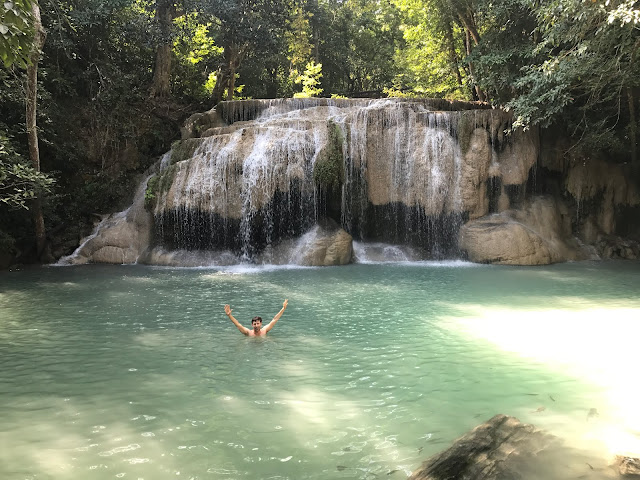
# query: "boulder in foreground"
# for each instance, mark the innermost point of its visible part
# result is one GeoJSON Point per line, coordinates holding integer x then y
{"type": "Point", "coordinates": [503, 448]}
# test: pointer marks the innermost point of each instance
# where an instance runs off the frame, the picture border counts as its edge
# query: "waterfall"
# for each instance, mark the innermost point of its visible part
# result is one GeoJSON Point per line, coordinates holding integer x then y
{"type": "Point", "coordinates": [386, 170]}
{"type": "Point", "coordinates": [250, 178]}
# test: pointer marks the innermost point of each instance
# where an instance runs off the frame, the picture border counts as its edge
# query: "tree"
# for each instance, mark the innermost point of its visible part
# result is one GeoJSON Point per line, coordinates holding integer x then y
{"type": "Point", "coordinates": [32, 131]}
{"type": "Point", "coordinates": [244, 27]}
{"type": "Point", "coordinates": [165, 13]}
{"type": "Point", "coordinates": [356, 42]}
{"type": "Point", "coordinates": [310, 80]}
{"type": "Point", "coordinates": [431, 62]}
{"type": "Point", "coordinates": [584, 73]}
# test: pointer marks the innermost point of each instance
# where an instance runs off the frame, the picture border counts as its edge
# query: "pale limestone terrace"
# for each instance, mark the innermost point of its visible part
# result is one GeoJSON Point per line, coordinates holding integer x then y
{"type": "Point", "coordinates": [390, 153]}
{"type": "Point", "coordinates": [445, 179]}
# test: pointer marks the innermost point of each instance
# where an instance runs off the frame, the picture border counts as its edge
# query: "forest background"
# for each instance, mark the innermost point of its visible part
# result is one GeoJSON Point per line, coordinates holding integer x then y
{"type": "Point", "coordinates": [92, 92]}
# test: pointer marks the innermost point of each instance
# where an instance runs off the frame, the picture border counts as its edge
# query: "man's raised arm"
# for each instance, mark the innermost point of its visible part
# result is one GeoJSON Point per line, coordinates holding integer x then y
{"type": "Point", "coordinates": [276, 318]}
{"type": "Point", "coordinates": [227, 310]}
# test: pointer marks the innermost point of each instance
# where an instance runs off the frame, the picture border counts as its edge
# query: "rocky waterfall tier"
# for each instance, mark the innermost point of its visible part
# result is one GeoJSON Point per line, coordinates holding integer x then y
{"type": "Point", "coordinates": [253, 180]}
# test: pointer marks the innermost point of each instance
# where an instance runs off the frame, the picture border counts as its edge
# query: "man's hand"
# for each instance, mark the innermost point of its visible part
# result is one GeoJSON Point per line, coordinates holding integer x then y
{"type": "Point", "coordinates": [284, 305]}
{"type": "Point", "coordinates": [227, 310]}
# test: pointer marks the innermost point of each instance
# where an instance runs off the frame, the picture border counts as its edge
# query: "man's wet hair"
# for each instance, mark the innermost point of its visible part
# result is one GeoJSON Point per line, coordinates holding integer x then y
{"type": "Point", "coordinates": [256, 319]}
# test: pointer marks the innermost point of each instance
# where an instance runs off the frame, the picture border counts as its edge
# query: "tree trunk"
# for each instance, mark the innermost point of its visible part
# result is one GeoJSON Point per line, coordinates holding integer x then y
{"type": "Point", "coordinates": [453, 57]}
{"type": "Point", "coordinates": [478, 92]}
{"type": "Point", "coordinates": [633, 126]}
{"type": "Point", "coordinates": [467, 19]}
{"type": "Point", "coordinates": [470, 25]}
{"type": "Point", "coordinates": [161, 87]}
{"type": "Point", "coordinates": [231, 81]}
{"type": "Point", "coordinates": [233, 55]}
{"type": "Point", "coordinates": [32, 130]}
{"type": "Point", "coordinates": [221, 84]}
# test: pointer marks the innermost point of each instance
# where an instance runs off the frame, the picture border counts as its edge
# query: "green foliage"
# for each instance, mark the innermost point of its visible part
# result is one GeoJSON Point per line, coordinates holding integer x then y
{"type": "Point", "coordinates": [356, 42]}
{"type": "Point", "coordinates": [299, 36]}
{"type": "Point", "coordinates": [16, 32]}
{"type": "Point", "coordinates": [150, 192]}
{"type": "Point", "coordinates": [19, 182]}
{"type": "Point", "coordinates": [328, 170]}
{"type": "Point", "coordinates": [429, 62]}
{"type": "Point", "coordinates": [195, 56]}
{"type": "Point", "coordinates": [574, 64]}
{"type": "Point", "coordinates": [310, 80]}
{"type": "Point", "coordinates": [7, 243]}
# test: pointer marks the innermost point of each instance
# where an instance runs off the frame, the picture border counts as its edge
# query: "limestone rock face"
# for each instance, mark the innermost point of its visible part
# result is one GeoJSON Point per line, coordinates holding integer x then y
{"type": "Point", "coordinates": [120, 238]}
{"type": "Point", "coordinates": [519, 154]}
{"type": "Point", "coordinates": [199, 122]}
{"type": "Point", "coordinates": [475, 172]}
{"type": "Point", "coordinates": [324, 247]}
{"type": "Point", "coordinates": [538, 234]}
{"type": "Point", "coordinates": [251, 176]}
{"type": "Point", "coordinates": [501, 240]}
{"type": "Point", "coordinates": [614, 247]}
{"type": "Point", "coordinates": [497, 449]}
{"type": "Point", "coordinates": [393, 152]}
{"type": "Point", "coordinates": [608, 182]}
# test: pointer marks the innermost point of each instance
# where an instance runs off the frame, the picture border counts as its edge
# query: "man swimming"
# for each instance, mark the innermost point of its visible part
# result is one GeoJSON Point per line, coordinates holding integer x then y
{"type": "Point", "coordinates": [256, 322]}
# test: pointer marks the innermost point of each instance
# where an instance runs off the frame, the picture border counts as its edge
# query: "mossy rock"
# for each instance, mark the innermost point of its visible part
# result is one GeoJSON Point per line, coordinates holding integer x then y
{"type": "Point", "coordinates": [157, 185]}
{"type": "Point", "coordinates": [151, 192]}
{"type": "Point", "coordinates": [167, 178]}
{"type": "Point", "coordinates": [328, 171]}
{"type": "Point", "coordinates": [184, 149]}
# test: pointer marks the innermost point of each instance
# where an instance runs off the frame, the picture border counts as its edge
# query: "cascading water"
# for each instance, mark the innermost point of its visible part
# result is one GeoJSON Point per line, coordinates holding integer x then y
{"type": "Point", "coordinates": [250, 178]}
{"type": "Point", "coordinates": [268, 170]}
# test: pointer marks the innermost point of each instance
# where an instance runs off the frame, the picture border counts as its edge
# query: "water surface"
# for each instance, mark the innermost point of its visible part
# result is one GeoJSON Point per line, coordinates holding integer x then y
{"type": "Point", "coordinates": [135, 372]}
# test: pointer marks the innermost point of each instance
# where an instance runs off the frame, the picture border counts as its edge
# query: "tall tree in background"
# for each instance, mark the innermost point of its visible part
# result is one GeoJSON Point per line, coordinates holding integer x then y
{"type": "Point", "coordinates": [431, 63]}
{"type": "Point", "coordinates": [356, 42]}
{"type": "Point", "coordinates": [244, 27]}
{"type": "Point", "coordinates": [39, 38]}
{"type": "Point", "coordinates": [165, 13]}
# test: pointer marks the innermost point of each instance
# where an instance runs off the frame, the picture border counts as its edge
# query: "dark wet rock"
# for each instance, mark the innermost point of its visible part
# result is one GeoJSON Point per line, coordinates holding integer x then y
{"type": "Point", "coordinates": [497, 449]}
{"type": "Point", "coordinates": [615, 247]}
{"type": "Point", "coordinates": [503, 448]}
{"type": "Point", "coordinates": [628, 467]}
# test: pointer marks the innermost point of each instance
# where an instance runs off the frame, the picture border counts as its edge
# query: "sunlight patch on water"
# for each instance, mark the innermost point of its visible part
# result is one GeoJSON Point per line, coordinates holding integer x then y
{"type": "Point", "coordinates": [593, 341]}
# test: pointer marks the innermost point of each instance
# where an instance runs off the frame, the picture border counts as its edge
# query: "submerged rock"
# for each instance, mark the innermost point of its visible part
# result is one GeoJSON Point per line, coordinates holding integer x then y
{"type": "Point", "coordinates": [496, 449]}
{"type": "Point", "coordinates": [503, 448]}
{"type": "Point", "coordinates": [627, 466]}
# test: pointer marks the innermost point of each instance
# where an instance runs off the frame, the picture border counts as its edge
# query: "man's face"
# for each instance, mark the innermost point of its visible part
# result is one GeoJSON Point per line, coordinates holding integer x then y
{"type": "Point", "coordinates": [256, 324]}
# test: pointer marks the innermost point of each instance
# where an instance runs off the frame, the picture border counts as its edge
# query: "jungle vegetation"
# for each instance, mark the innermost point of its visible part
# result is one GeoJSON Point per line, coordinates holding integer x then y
{"type": "Point", "coordinates": [93, 91]}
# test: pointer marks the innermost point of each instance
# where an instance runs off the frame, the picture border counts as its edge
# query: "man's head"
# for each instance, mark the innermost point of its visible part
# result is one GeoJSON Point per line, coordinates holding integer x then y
{"type": "Point", "coordinates": [256, 323]}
